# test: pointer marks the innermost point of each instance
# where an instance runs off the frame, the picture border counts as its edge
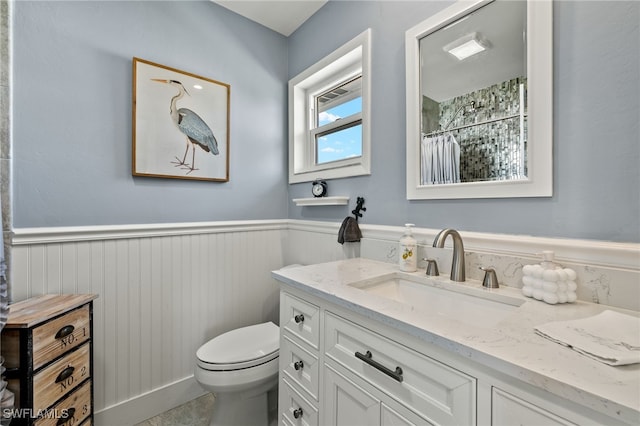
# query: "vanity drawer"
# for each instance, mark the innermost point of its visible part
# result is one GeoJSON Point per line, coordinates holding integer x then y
{"type": "Point", "coordinates": [56, 337]}
{"type": "Point", "coordinates": [300, 366]}
{"type": "Point", "coordinates": [61, 377]}
{"type": "Point", "coordinates": [300, 318]}
{"type": "Point", "coordinates": [434, 390]}
{"type": "Point", "coordinates": [294, 408]}
{"type": "Point", "coordinates": [507, 409]}
{"type": "Point", "coordinates": [77, 406]}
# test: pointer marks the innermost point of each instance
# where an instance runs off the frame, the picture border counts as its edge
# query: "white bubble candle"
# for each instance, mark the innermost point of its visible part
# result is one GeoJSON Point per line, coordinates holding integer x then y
{"type": "Point", "coordinates": [549, 281]}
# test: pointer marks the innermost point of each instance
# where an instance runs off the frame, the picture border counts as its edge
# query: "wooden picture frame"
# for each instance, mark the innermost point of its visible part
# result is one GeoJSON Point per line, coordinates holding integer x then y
{"type": "Point", "coordinates": [180, 124]}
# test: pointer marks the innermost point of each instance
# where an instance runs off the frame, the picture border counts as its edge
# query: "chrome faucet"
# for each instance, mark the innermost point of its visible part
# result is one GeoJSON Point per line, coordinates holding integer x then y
{"type": "Point", "coordinates": [457, 263]}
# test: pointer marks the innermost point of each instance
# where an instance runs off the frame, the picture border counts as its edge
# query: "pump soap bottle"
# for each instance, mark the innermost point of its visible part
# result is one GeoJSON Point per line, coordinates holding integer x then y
{"type": "Point", "coordinates": [408, 256]}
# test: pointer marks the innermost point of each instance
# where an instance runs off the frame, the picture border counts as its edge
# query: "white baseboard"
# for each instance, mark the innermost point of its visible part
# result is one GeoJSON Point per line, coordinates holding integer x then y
{"type": "Point", "coordinates": [150, 404]}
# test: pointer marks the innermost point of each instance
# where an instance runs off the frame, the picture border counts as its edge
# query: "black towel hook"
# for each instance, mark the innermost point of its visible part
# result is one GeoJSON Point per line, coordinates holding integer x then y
{"type": "Point", "coordinates": [359, 207]}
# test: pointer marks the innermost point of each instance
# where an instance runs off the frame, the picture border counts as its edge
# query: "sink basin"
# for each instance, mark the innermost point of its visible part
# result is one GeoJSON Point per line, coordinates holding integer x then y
{"type": "Point", "coordinates": [463, 302]}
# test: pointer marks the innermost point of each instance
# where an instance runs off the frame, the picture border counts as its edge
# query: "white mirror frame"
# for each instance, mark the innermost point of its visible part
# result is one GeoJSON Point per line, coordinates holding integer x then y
{"type": "Point", "coordinates": [539, 181]}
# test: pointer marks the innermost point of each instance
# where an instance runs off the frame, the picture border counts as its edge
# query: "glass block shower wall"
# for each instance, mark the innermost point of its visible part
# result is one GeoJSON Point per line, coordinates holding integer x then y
{"type": "Point", "coordinates": [491, 128]}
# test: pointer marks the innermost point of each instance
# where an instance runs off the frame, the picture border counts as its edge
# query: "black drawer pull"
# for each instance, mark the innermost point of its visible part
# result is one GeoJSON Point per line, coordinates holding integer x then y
{"type": "Point", "coordinates": [65, 331]}
{"type": "Point", "coordinates": [299, 318]}
{"type": "Point", "coordinates": [397, 374]}
{"type": "Point", "coordinates": [297, 413]}
{"type": "Point", "coordinates": [298, 365]}
{"type": "Point", "coordinates": [66, 416]}
{"type": "Point", "coordinates": [64, 374]}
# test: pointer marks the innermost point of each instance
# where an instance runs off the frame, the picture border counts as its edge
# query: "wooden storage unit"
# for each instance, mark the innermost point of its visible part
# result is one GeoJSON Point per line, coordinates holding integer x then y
{"type": "Point", "coordinates": [48, 350]}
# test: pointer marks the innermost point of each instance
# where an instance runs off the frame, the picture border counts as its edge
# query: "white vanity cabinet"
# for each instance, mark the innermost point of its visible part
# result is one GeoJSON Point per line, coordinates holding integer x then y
{"type": "Point", "coordinates": [339, 367]}
{"type": "Point", "coordinates": [336, 372]}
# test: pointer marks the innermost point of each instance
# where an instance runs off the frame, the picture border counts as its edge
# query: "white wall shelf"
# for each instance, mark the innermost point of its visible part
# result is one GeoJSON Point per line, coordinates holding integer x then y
{"type": "Point", "coordinates": [321, 201]}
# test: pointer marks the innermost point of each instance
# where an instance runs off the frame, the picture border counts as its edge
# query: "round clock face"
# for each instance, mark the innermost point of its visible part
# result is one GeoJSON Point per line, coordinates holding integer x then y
{"type": "Point", "coordinates": [319, 189]}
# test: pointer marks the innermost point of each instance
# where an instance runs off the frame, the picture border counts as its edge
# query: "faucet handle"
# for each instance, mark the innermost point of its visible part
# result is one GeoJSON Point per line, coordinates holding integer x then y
{"type": "Point", "coordinates": [432, 267]}
{"type": "Point", "coordinates": [490, 278]}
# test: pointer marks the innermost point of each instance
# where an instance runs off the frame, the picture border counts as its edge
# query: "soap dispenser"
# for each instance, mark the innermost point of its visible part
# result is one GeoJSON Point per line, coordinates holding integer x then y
{"type": "Point", "coordinates": [408, 256]}
{"type": "Point", "coordinates": [549, 281]}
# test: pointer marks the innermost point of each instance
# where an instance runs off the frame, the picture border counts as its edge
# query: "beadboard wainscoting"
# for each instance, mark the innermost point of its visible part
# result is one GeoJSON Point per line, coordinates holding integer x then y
{"type": "Point", "coordinates": [165, 289]}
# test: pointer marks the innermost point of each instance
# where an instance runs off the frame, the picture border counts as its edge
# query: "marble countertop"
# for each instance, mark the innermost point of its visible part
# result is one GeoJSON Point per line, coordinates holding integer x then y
{"type": "Point", "coordinates": [511, 346]}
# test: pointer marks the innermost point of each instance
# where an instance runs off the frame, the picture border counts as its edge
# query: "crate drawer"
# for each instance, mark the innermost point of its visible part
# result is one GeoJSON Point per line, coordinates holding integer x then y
{"type": "Point", "coordinates": [60, 335]}
{"type": "Point", "coordinates": [300, 318]}
{"type": "Point", "coordinates": [441, 394]}
{"type": "Point", "coordinates": [76, 407]}
{"type": "Point", "coordinates": [58, 379]}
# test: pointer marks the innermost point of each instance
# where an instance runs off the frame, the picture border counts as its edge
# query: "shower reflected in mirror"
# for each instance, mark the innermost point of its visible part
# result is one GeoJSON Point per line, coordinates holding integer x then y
{"type": "Point", "coordinates": [473, 80]}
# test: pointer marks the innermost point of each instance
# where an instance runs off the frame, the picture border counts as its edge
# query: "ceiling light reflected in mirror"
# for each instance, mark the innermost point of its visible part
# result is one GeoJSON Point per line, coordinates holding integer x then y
{"type": "Point", "coordinates": [467, 46]}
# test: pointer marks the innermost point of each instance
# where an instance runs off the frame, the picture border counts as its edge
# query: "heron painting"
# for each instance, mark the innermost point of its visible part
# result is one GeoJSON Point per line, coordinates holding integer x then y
{"type": "Point", "coordinates": [189, 140]}
{"type": "Point", "coordinates": [191, 125]}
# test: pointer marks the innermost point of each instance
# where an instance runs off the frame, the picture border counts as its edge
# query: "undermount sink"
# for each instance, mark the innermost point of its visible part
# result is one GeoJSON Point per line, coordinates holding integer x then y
{"type": "Point", "coordinates": [464, 302]}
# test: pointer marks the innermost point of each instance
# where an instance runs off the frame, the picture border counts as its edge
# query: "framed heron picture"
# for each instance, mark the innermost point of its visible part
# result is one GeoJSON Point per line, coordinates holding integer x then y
{"type": "Point", "coordinates": [180, 124]}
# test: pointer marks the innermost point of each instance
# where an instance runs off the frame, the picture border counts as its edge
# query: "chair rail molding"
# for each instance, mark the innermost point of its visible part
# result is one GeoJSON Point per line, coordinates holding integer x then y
{"type": "Point", "coordinates": [45, 235]}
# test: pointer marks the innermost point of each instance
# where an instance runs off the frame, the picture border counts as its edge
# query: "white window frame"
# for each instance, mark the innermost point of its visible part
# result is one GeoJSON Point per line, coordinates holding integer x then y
{"type": "Point", "coordinates": [348, 61]}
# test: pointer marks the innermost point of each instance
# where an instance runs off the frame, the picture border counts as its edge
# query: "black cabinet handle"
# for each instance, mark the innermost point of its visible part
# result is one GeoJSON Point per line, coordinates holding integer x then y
{"type": "Point", "coordinates": [298, 365]}
{"type": "Point", "coordinates": [297, 413]}
{"type": "Point", "coordinates": [299, 318]}
{"type": "Point", "coordinates": [395, 374]}
{"type": "Point", "coordinates": [65, 331]}
{"type": "Point", "coordinates": [64, 374]}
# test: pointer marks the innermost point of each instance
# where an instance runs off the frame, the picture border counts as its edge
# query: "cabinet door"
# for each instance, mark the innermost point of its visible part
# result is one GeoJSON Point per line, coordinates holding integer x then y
{"type": "Point", "coordinates": [510, 410]}
{"type": "Point", "coordinates": [401, 417]}
{"type": "Point", "coordinates": [347, 404]}
{"type": "Point", "coordinates": [433, 390]}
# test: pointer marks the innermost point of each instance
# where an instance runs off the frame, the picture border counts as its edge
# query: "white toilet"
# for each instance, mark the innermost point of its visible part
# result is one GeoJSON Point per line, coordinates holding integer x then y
{"type": "Point", "coordinates": [240, 367]}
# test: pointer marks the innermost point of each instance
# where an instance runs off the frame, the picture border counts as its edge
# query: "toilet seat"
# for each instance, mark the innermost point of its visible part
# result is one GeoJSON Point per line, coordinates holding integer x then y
{"type": "Point", "coordinates": [241, 348]}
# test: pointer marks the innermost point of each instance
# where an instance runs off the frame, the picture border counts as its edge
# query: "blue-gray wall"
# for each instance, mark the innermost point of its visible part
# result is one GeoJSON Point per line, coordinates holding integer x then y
{"type": "Point", "coordinates": [72, 117]}
{"type": "Point", "coordinates": [596, 115]}
{"type": "Point", "coordinates": [72, 77]}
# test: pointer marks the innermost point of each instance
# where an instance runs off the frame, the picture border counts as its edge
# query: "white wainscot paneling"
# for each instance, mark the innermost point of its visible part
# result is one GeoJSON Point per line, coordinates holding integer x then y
{"type": "Point", "coordinates": [160, 298]}
{"type": "Point", "coordinates": [311, 242]}
{"type": "Point", "coordinates": [165, 289]}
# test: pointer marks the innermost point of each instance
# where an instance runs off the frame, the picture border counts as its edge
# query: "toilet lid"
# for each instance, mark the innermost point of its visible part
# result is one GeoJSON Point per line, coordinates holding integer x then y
{"type": "Point", "coordinates": [257, 343]}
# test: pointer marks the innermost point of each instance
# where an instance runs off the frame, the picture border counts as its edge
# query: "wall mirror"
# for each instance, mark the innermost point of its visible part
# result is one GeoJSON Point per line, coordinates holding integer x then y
{"type": "Point", "coordinates": [480, 101]}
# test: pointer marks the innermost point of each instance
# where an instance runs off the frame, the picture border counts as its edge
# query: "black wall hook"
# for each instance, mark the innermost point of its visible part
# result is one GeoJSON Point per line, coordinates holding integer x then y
{"type": "Point", "coordinates": [359, 207]}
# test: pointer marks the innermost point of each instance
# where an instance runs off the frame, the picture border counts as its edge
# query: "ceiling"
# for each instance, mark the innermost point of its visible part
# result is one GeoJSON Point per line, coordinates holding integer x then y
{"type": "Point", "coordinates": [283, 16]}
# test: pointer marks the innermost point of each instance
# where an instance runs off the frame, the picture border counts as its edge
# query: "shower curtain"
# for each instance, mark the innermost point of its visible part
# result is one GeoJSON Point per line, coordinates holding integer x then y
{"type": "Point", "coordinates": [440, 160]}
{"type": "Point", "coordinates": [4, 297]}
{"type": "Point", "coordinates": [6, 396]}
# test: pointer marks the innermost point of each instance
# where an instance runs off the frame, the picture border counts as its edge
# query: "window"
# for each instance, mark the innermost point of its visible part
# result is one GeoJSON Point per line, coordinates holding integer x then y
{"type": "Point", "coordinates": [329, 115]}
{"type": "Point", "coordinates": [337, 128]}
